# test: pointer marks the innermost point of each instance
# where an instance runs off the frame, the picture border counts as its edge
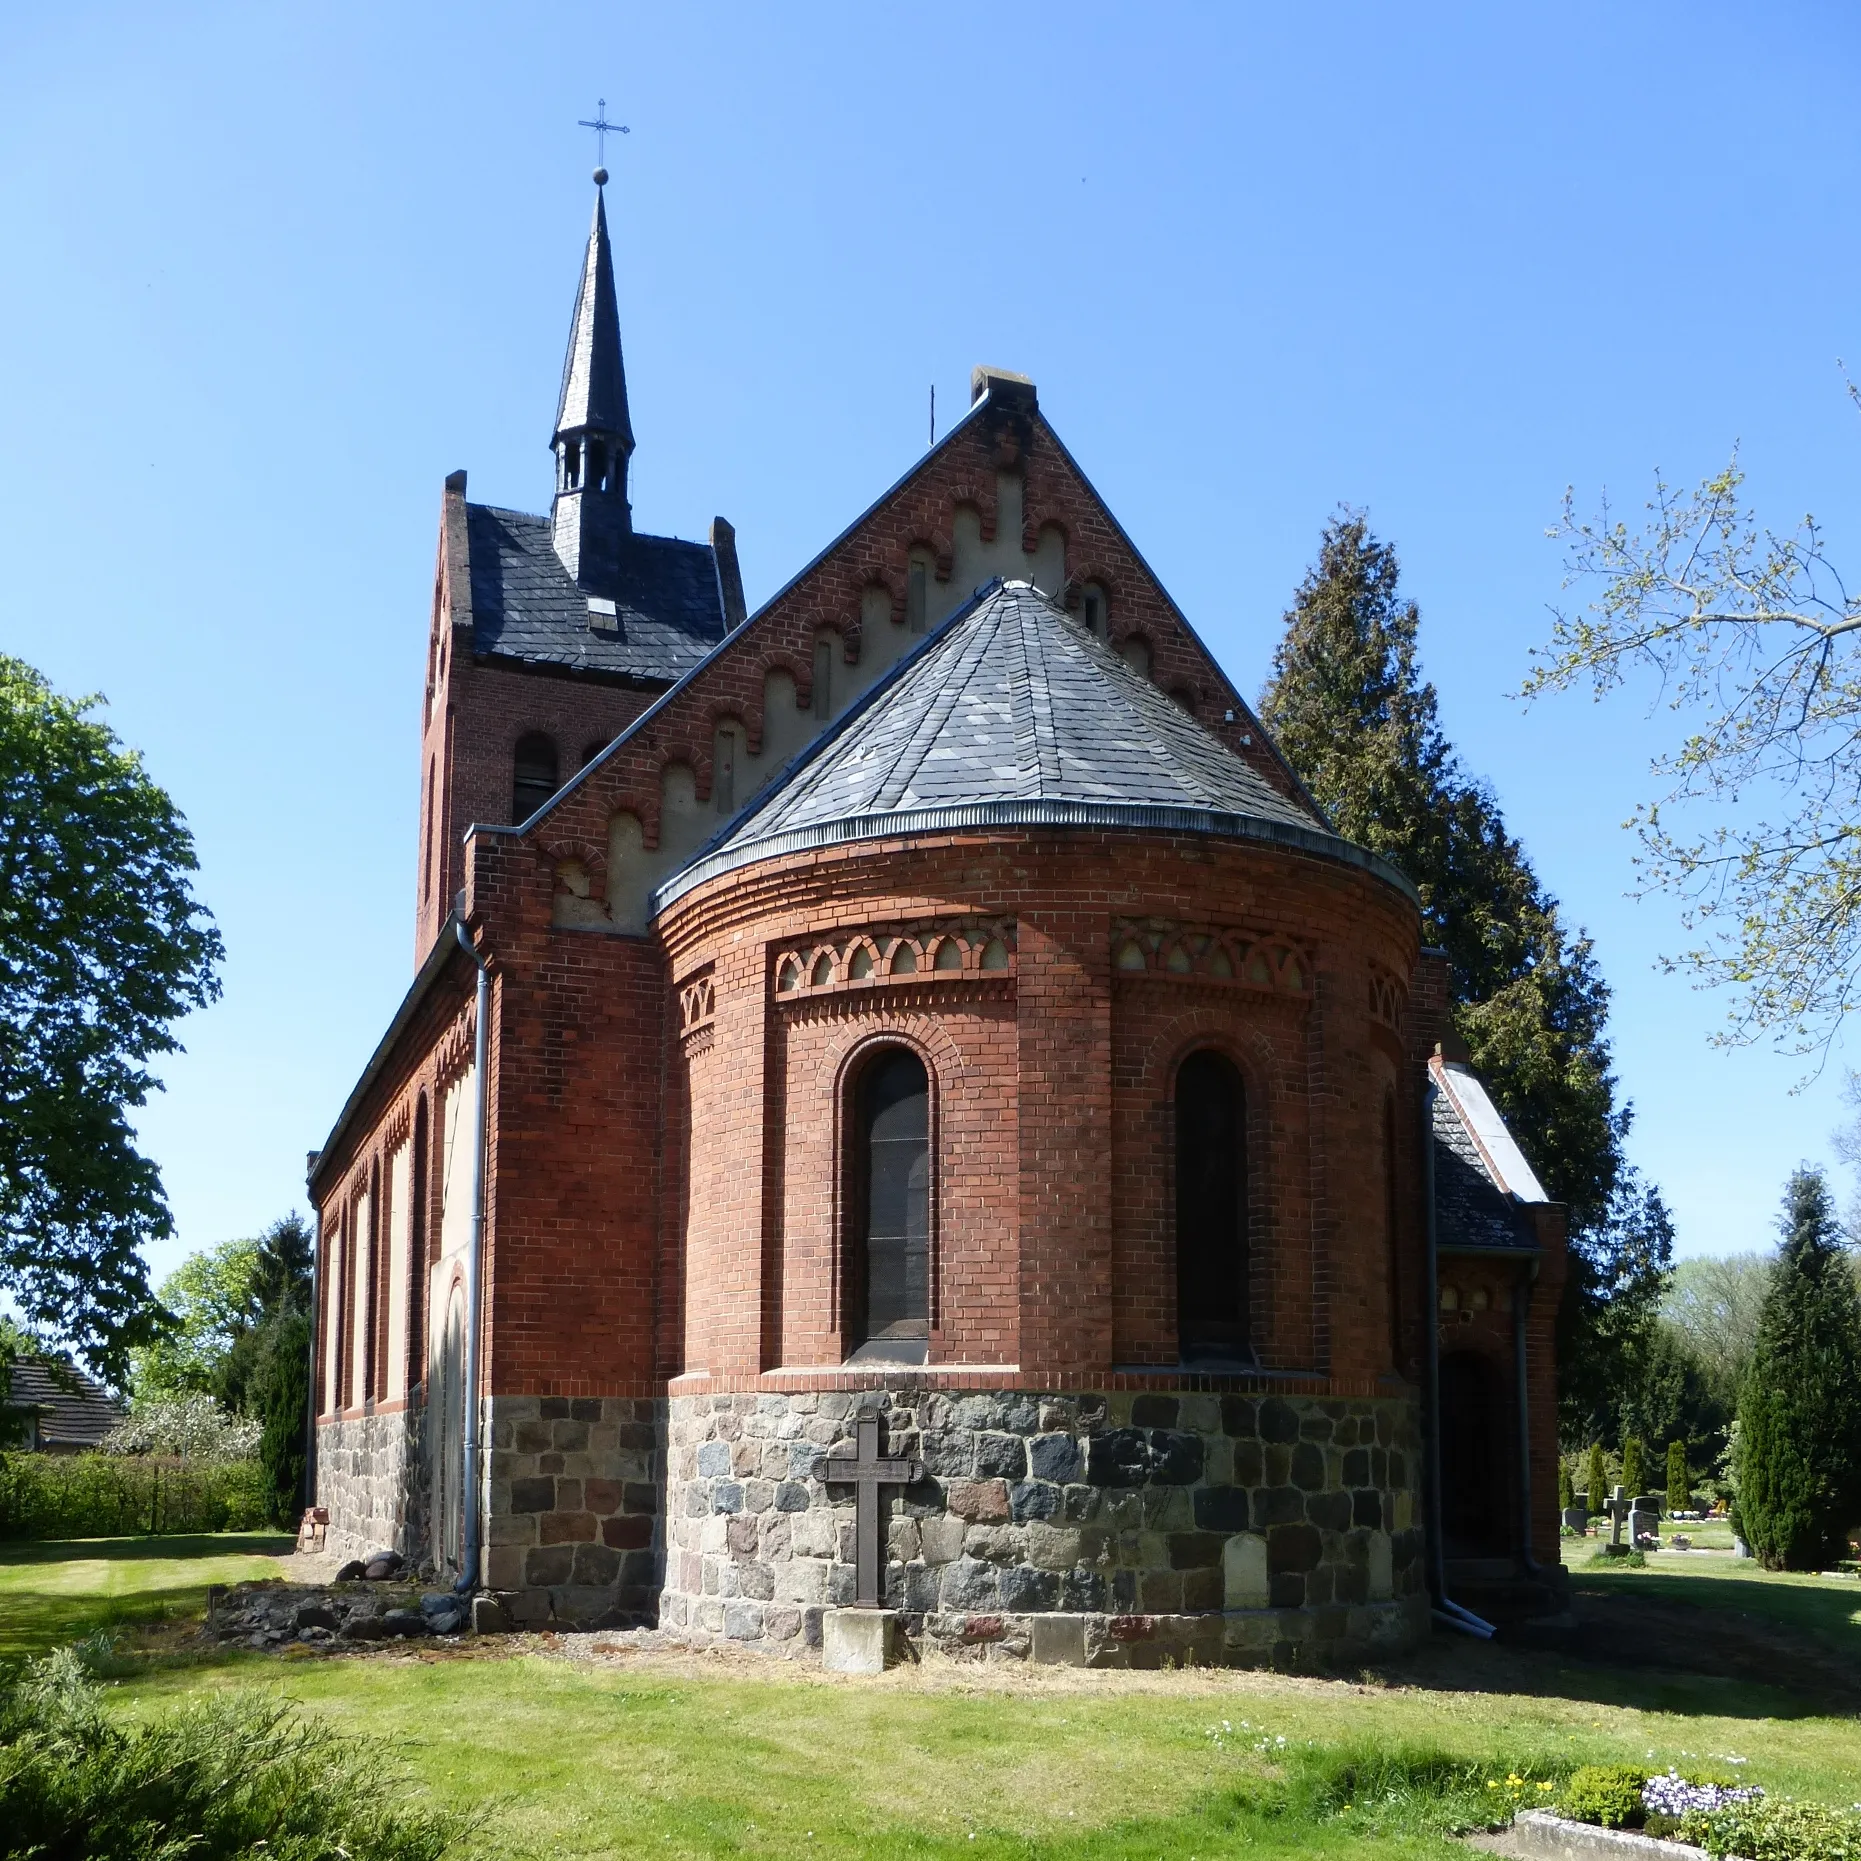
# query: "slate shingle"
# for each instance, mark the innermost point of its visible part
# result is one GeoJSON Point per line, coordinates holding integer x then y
{"type": "Point", "coordinates": [1471, 1210]}
{"type": "Point", "coordinates": [526, 607]}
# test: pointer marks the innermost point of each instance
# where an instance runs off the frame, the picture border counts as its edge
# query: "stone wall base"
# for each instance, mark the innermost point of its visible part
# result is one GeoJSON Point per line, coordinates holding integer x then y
{"type": "Point", "coordinates": [371, 1475]}
{"type": "Point", "coordinates": [1312, 1638]}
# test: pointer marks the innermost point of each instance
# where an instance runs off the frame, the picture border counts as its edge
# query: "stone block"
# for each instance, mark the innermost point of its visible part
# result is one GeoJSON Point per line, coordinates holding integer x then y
{"type": "Point", "coordinates": [1055, 1457]}
{"type": "Point", "coordinates": [1059, 1640]}
{"type": "Point", "coordinates": [533, 1495]}
{"type": "Point", "coordinates": [1220, 1508]}
{"type": "Point", "coordinates": [490, 1616]}
{"type": "Point", "coordinates": [543, 1567]}
{"type": "Point", "coordinates": [979, 1499]}
{"type": "Point", "coordinates": [941, 1539]}
{"type": "Point", "coordinates": [1001, 1457]}
{"type": "Point", "coordinates": [1244, 1571]}
{"type": "Point", "coordinates": [858, 1641]}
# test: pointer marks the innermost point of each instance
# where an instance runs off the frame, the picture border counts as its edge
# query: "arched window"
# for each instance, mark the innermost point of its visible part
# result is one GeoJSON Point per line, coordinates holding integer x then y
{"type": "Point", "coordinates": [1136, 654]}
{"type": "Point", "coordinates": [724, 768]}
{"type": "Point", "coordinates": [889, 1293]}
{"type": "Point", "coordinates": [1094, 609]}
{"type": "Point", "coordinates": [1390, 1243]}
{"type": "Point", "coordinates": [417, 1248]}
{"type": "Point", "coordinates": [917, 592]}
{"type": "Point", "coordinates": [823, 676]}
{"type": "Point", "coordinates": [533, 774]}
{"type": "Point", "coordinates": [1211, 1205]}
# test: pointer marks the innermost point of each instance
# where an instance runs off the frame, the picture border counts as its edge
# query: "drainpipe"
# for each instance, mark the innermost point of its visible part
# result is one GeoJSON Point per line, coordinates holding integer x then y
{"type": "Point", "coordinates": [309, 1494]}
{"type": "Point", "coordinates": [1521, 1305]}
{"type": "Point", "coordinates": [474, 1268]}
{"type": "Point", "coordinates": [1446, 1611]}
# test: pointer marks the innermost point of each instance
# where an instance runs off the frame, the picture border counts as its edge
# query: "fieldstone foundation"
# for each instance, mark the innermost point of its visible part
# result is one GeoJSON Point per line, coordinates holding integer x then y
{"type": "Point", "coordinates": [573, 1492]}
{"type": "Point", "coordinates": [1097, 1529]}
{"type": "Point", "coordinates": [371, 1474]}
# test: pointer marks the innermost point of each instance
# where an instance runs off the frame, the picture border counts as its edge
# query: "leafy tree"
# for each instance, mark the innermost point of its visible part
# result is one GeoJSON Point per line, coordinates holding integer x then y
{"type": "Point", "coordinates": [1755, 639]}
{"type": "Point", "coordinates": [1598, 1478]}
{"type": "Point", "coordinates": [1348, 705]}
{"type": "Point", "coordinates": [1668, 1392]}
{"type": "Point", "coordinates": [1799, 1438]}
{"type": "Point", "coordinates": [224, 1301]}
{"type": "Point", "coordinates": [1679, 1482]}
{"type": "Point", "coordinates": [103, 946]}
{"type": "Point", "coordinates": [1714, 1303]}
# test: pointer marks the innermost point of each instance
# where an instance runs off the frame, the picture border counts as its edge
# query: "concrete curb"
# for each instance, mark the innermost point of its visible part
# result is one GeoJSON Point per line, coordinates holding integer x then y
{"type": "Point", "coordinates": [1538, 1832]}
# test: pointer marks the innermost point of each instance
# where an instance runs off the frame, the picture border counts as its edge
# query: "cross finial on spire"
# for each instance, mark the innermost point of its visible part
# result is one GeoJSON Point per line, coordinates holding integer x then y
{"type": "Point", "coordinates": [602, 129]}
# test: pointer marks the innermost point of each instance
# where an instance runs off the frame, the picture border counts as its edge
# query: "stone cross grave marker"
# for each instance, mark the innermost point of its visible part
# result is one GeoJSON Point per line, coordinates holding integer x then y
{"type": "Point", "coordinates": [1618, 1508]}
{"type": "Point", "coordinates": [866, 1472]}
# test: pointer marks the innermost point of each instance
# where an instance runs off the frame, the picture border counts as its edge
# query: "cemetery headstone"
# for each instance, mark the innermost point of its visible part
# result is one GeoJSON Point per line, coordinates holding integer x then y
{"type": "Point", "coordinates": [1618, 1509]}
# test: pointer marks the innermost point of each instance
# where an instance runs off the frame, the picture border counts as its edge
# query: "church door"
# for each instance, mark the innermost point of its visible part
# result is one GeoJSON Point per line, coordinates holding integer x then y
{"type": "Point", "coordinates": [1475, 1482]}
{"type": "Point", "coordinates": [895, 1121]}
{"type": "Point", "coordinates": [449, 1440]}
{"type": "Point", "coordinates": [1211, 1200]}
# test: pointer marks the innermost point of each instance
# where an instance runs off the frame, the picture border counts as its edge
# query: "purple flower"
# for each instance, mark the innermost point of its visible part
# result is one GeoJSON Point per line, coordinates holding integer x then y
{"type": "Point", "coordinates": [1672, 1795]}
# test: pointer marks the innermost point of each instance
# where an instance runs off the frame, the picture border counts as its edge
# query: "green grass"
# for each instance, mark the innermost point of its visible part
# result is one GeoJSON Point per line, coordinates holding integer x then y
{"type": "Point", "coordinates": [1825, 1608]}
{"type": "Point", "coordinates": [57, 1591]}
{"type": "Point", "coordinates": [688, 1756]}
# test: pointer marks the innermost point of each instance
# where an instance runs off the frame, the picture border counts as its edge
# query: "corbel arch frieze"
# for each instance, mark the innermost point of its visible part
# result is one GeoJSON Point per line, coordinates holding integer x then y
{"type": "Point", "coordinates": [983, 499]}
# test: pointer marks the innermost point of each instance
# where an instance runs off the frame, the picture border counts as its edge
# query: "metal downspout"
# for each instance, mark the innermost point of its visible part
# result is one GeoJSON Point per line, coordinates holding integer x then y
{"type": "Point", "coordinates": [1446, 1611]}
{"type": "Point", "coordinates": [309, 1494]}
{"type": "Point", "coordinates": [474, 1270]}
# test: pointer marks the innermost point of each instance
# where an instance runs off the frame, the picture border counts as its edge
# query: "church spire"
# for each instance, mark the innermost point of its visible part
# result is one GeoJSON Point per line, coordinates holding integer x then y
{"type": "Point", "coordinates": [593, 440]}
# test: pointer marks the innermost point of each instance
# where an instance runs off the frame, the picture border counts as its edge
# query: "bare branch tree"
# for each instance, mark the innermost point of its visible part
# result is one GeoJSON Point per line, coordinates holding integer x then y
{"type": "Point", "coordinates": [1754, 638]}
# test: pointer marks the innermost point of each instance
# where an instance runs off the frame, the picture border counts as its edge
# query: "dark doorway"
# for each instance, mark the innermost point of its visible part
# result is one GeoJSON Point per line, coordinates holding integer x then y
{"type": "Point", "coordinates": [1475, 1485]}
{"type": "Point", "coordinates": [1211, 1205]}
{"type": "Point", "coordinates": [893, 1160]}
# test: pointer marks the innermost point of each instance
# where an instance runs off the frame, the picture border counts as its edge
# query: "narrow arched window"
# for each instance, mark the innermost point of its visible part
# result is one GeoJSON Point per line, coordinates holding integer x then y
{"type": "Point", "coordinates": [891, 1251]}
{"type": "Point", "coordinates": [917, 593]}
{"type": "Point", "coordinates": [417, 1248]}
{"type": "Point", "coordinates": [1211, 1203]}
{"type": "Point", "coordinates": [533, 774]}
{"type": "Point", "coordinates": [1392, 1255]}
{"type": "Point", "coordinates": [823, 677]}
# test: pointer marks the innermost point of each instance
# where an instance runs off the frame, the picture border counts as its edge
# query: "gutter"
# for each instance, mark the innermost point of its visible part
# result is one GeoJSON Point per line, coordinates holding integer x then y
{"type": "Point", "coordinates": [1446, 1611]}
{"type": "Point", "coordinates": [1521, 1306]}
{"type": "Point", "coordinates": [474, 1266]}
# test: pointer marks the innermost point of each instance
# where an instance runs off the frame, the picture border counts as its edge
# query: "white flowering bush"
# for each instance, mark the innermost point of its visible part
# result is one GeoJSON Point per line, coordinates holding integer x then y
{"type": "Point", "coordinates": [189, 1427]}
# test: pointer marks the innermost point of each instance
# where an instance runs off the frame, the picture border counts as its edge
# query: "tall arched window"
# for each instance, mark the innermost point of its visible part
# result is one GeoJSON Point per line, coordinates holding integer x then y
{"type": "Point", "coordinates": [889, 1294]}
{"type": "Point", "coordinates": [533, 774]}
{"type": "Point", "coordinates": [416, 1249]}
{"type": "Point", "coordinates": [1211, 1206]}
{"type": "Point", "coordinates": [1392, 1256]}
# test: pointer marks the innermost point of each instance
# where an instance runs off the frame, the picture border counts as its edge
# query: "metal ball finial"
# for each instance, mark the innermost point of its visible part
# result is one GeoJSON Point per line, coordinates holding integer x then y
{"type": "Point", "coordinates": [600, 177]}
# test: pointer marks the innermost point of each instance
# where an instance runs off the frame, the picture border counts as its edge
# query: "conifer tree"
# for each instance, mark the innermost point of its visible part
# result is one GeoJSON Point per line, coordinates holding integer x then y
{"type": "Point", "coordinates": [1348, 705]}
{"type": "Point", "coordinates": [1799, 1446]}
{"type": "Point", "coordinates": [1679, 1484]}
{"type": "Point", "coordinates": [1599, 1479]}
{"type": "Point", "coordinates": [1632, 1471]}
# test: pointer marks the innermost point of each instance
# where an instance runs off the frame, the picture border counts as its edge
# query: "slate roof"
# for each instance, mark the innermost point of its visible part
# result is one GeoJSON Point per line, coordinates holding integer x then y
{"type": "Point", "coordinates": [594, 378]}
{"type": "Point", "coordinates": [64, 1418]}
{"type": "Point", "coordinates": [1012, 713]}
{"type": "Point", "coordinates": [1475, 1212]}
{"type": "Point", "coordinates": [525, 606]}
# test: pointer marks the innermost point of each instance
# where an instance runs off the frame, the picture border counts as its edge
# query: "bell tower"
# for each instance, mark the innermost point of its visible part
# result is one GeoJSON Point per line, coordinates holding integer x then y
{"type": "Point", "coordinates": [593, 442]}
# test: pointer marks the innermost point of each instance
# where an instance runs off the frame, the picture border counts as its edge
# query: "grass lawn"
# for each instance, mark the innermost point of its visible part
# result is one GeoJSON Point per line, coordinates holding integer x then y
{"type": "Point", "coordinates": [59, 1591]}
{"type": "Point", "coordinates": [706, 1755]}
{"type": "Point", "coordinates": [1826, 1608]}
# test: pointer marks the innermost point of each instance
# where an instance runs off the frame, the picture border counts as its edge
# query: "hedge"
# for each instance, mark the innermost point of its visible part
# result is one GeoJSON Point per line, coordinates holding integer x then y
{"type": "Point", "coordinates": [115, 1495]}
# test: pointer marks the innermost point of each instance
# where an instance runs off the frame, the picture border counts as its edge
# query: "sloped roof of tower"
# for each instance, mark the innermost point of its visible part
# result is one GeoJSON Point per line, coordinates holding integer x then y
{"type": "Point", "coordinates": [1013, 714]}
{"type": "Point", "coordinates": [1483, 1184]}
{"type": "Point", "coordinates": [669, 610]}
{"type": "Point", "coordinates": [594, 377]}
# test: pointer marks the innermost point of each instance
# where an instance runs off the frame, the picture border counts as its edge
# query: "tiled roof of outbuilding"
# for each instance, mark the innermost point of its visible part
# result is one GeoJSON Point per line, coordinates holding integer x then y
{"type": "Point", "coordinates": [525, 606]}
{"type": "Point", "coordinates": [66, 1417]}
{"type": "Point", "coordinates": [1013, 714]}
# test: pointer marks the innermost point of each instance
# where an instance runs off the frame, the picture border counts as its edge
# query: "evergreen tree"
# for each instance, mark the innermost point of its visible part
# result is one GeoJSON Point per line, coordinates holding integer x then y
{"type": "Point", "coordinates": [282, 1384]}
{"type": "Point", "coordinates": [1632, 1471]}
{"type": "Point", "coordinates": [1679, 1482]}
{"type": "Point", "coordinates": [1566, 1491]}
{"type": "Point", "coordinates": [1599, 1479]}
{"type": "Point", "coordinates": [1799, 1449]}
{"type": "Point", "coordinates": [1348, 705]}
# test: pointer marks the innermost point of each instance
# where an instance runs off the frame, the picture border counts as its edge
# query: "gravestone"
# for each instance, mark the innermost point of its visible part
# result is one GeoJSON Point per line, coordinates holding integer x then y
{"type": "Point", "coordinates": [1577, 1519]}
{"type": "Point", "coordinates": [860, 1640]}
{"type": "Point", "coordinates": [1644, 1524]}
{"type": "Point", "coordinates": [1618, 1509]}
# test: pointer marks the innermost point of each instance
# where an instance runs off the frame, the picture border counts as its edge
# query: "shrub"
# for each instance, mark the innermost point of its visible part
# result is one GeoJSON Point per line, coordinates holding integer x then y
{"type": "Point", "coordinates": [1609, 1794]}
{"type": "Point", "coordinates": [190, 1426]}
{"type": "Point", "coordinates": [1598, 1478]}
{"type": "Point", "coordinates": [1566, 1493]}
{"type": "Point", "coordinates": [227, 1776]}
{"type": "Point", "coordinates": [1799, 1416]}
{"type": "Point", "coordinates": [1769, 1830]}
{"type": "Point", "coordinates": [112, 1495]}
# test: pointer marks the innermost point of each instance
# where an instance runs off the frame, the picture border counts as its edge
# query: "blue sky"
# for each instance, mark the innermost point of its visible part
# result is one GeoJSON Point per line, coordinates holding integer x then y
{"type": "Point", "coordinates": [271, 272]}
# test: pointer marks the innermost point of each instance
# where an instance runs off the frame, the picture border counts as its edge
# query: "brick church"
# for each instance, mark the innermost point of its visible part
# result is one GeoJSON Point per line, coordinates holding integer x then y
{"type": "Point", "coordinates": [929, 997]}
